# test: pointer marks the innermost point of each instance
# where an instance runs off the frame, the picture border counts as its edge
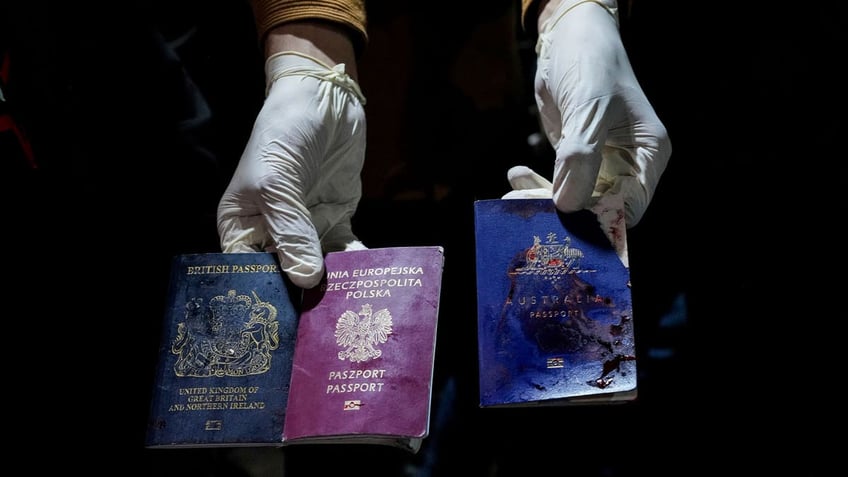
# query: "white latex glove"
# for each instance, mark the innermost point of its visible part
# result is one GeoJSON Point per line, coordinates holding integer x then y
{"type": "Point", "coordinates": [606, 135]}
{"type": "Point", "coordinates": [298, 184]}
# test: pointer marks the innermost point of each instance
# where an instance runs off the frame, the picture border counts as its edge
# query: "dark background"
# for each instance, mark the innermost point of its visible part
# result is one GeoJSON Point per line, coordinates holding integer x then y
{"type": "Point", "coordinates": [136, 114]}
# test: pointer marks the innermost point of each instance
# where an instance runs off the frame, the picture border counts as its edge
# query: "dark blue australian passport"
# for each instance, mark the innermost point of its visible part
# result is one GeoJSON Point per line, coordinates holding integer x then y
{"type": "Point", "coordinates": [555, 321]}
{"type": "Point", "coordinates": [226, 353]}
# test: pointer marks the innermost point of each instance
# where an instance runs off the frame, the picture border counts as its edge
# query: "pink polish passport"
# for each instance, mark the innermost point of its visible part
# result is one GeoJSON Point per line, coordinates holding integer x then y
{"type": "Point", "coordinates": [365, 349]}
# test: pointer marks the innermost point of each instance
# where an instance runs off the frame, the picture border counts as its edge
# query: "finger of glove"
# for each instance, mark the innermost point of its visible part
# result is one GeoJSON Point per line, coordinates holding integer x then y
{"type": "Point", "coordinates": [290, 227]}
{"type": "Point", "coordinates": [242, 234]}
{"type": "Point", "coordinates": [579, 156]}
{"type": "Point", "coordinates": [334, 199]}
{"type": "Point", "coordinates": [576, 81]}
{"type": "Point", "coordinates": [609, 209]}
{"type": "Point", "coordinates": [268, 214]}
{"type": "Point", "coordinates": [290, 171]}
{"type": "Point", "coordinates": [636, 154]}
{"type": "Point", "coordinates": [241, 226]}
{"type": "Point", "coordinates": [630, 163]}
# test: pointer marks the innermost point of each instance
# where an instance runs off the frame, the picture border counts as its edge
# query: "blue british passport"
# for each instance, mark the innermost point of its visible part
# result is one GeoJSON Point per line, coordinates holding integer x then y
{"type": "Point", "coordinates": [555, 321]}
{"type": "Point", "coordinates": [226, 353]}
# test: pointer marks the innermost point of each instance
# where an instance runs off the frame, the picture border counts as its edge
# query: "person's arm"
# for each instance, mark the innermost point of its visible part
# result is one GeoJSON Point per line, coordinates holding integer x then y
{"type": "Point", "coordinates": [345, 16]}
{"type": "Point", "coordinates": [327, 42]}
{"type": "Point", "coordinates": [297, 184]}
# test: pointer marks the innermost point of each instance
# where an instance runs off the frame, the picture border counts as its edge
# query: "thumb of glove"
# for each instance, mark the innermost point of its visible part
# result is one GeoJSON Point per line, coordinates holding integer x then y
{"type": "Point", "coordinates": [527, 184]}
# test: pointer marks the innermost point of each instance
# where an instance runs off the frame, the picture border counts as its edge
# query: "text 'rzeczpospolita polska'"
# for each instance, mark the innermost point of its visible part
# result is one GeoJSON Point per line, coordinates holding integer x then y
{"type": "Point", "coordinates": [373, 282]}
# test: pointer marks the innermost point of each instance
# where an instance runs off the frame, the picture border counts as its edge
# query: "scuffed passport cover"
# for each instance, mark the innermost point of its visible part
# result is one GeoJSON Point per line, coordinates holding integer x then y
{"type": "Point", "coordinates": [225, 355]}
{"type": "Point", "coordinates": [554, 305]}
{"type": "Point", "coordinates": [366, 347]}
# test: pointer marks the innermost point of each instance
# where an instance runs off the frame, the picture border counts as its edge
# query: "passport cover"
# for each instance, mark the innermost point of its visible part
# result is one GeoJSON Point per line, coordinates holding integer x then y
{"type": "Point", "coordinates": [365, 349]}
{"type": "Point", "coordinates": [226, 353]}
{"type": "Point", "coordinates": [555, 324]}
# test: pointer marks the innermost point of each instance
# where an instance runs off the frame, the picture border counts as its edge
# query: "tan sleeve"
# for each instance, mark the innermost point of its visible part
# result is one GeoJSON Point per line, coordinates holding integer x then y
{"type": "Point", "coordinates": [350, 13]}
{"type": "Point", "coordinates": [529, 10]}
{"type": "Point", "coordinates": [530, 14]}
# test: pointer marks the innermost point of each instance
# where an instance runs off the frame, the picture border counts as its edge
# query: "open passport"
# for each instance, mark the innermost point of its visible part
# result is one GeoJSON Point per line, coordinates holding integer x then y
{"type": "Point", "coordinates": [245, 360]}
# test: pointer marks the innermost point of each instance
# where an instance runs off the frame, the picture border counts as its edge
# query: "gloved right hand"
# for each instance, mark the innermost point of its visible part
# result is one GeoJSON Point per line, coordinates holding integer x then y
{"type": "Point", "coordinates": [298, 184]}
{"type": "Point", "coordinates": [607, 136]}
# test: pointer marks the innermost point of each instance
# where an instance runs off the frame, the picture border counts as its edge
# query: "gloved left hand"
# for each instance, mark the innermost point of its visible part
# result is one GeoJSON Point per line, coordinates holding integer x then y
{"type": "Point", "coordinates": [298, 183]}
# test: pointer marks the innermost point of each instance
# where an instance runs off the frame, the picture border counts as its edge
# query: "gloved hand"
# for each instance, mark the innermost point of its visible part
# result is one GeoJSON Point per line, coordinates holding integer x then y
{"type": "Point", "coordinates": [297, 184]}
{"type": "Point", "coordinates": [606, 135]}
